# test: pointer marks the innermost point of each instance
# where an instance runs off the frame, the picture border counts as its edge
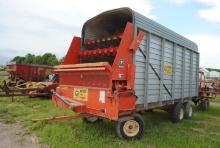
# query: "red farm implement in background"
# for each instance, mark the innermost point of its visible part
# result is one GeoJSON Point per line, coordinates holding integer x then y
{"type": "Point", "coordinates": [20, 73]}
{"type": "Point", "coordinates": [208, 89]}
{"type": "Point", "coordinates": [28, 80]}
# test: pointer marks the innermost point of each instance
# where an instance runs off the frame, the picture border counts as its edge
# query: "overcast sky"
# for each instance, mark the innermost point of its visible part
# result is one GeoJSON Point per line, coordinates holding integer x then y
{"type": "Point", "coordinates": [39, 26]}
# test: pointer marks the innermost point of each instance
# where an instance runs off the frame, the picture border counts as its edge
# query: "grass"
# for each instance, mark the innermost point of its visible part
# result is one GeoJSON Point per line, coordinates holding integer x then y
{"type": "Point", "coordinates": [3, 78]}
{"type": "Point", "coordinates": [203, 130]}
{"type": "Point", "coordinates": [3, 73]}
{"type": "Point", "coordinates": [216, 99]}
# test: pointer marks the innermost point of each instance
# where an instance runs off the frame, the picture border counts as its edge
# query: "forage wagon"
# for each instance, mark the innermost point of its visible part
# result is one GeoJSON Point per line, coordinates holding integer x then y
{"type": "Point", "coordinates": [124, 63]}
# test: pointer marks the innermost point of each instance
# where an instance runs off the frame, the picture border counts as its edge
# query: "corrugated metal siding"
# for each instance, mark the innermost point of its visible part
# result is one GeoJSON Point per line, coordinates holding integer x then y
{"type": "Point", "coordinates": [151, 26]}
{"type": "Point", "coordinates": [178, 72]}
{"type": "Point", "coordinates": [168, 60]}
{"type": "Point", "coordinates": [194, 76]}
{"type": "Point", "coordinates": [155, 60]}
{"type": "Point", "coordinates": [187, 74]}
{"type": "Point", "coordinates": [166, 48]}
{"type": "Point", "coordinates": [140, 72]}
{"type": "Point", "coordinates": [181, 83]}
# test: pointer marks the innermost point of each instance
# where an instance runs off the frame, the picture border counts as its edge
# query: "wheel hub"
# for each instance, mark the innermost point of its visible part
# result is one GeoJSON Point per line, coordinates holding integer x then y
{"type": "Point", "coordinates": [131, 128]}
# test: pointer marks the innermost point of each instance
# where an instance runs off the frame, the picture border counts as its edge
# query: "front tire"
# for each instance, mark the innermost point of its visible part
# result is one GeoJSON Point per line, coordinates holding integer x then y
{"type": "Point", "coordinates": [91, 119]}
{"type": "Point", "coordinates": [177, 113]}
{"type": "Point", "coordinates": [131, 129]}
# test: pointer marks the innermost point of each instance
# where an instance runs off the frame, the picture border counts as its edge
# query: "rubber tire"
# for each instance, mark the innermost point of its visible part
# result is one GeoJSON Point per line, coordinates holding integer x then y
{"type": "Point", "coordinates": [86, 120]}
{"type": "Point", "coordinates": [204, 105]}
{"type": "Point", "coordinates": [122, 134]}
{"type": "Point", "coordinates": [187, 108]}
{"type": "Point", "coordinates": [19, 82]}
{"type": "Point", "coordinates": [9, 84]}
{"type": "Point", "coordinates": [175, 112]}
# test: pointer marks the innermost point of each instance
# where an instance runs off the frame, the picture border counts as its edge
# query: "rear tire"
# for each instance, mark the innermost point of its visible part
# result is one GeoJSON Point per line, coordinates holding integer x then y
{"type": "Point", "coordinates": [19, 82]}
{"type": "Point", "coordinates": [188, 111]}
{"type": "Point", "coordinates": [177, 113]}
{"type": "Point", "coordinates": [204, 105]}
{"type": "Point", "coordinates": [131, 129]}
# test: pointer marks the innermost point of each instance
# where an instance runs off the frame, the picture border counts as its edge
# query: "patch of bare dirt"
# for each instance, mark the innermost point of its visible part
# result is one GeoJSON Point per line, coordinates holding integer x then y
{"type": "Point", "coordinates": [14, 136]}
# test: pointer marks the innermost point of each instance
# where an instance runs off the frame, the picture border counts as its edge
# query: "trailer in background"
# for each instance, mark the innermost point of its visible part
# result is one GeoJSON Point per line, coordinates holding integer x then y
{"type": "Point", "coordinates": [208, 89]}
{"type": "Point", "coordinates": [21, 73]}
{"type": "Point", "coordinates": [125, 63]}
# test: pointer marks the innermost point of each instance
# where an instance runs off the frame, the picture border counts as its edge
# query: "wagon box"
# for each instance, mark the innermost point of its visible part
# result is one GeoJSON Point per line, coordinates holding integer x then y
{"type": "Point", "coordinates": [20, 73]}
{"type": "Point", "coordinates": [125, 63]}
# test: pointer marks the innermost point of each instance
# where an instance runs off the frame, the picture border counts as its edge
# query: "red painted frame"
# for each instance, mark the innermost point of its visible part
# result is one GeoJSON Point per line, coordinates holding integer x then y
{"type": "Point", "coordinates": [116, 80]}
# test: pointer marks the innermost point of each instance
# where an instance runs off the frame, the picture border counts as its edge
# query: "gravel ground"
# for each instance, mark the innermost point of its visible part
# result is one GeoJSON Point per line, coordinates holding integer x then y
{"type": "Point", "coordinates": [14, 136]}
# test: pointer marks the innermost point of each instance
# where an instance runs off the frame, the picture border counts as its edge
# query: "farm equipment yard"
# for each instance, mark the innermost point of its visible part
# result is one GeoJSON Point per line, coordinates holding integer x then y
{"type": "Point", "coordinates": [127, 81]}
{"type": "Point", "coordinates": [203, 130]}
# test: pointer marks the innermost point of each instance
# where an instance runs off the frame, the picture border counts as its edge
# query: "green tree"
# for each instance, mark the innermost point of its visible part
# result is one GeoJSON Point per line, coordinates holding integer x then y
{"type": "Point", "coordinates": [45, 59]}
{"type": "Point", "coordinates": [38, 60]}
{"type": "Point", "coordinates": [50, 59]}
{"type": "Point", "coordinates": [18, 59]}
{"type": "Point", "coordinates": [29, 58]}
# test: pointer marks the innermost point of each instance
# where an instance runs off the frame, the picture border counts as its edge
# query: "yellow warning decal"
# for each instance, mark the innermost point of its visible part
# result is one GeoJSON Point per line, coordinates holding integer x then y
{"type": "Point", "coordinates": [80, 94]}
{"type": "Point", "coordinates": [168, 69]}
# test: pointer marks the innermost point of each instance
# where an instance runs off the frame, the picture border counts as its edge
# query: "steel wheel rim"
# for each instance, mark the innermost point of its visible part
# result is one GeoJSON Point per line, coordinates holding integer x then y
{"type": "Point", "coordinates": [181, 114]}
{"type": "Point", "coordinates": [190, 112]}
{"type": "Point", "coordinates": [131, 128]}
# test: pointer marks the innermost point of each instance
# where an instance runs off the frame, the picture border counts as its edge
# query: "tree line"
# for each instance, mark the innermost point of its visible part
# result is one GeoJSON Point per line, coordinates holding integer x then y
{"type": "Point", "coordinates": [45, 59]}
{"type": "Point", "coordinates": [213, 69]}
